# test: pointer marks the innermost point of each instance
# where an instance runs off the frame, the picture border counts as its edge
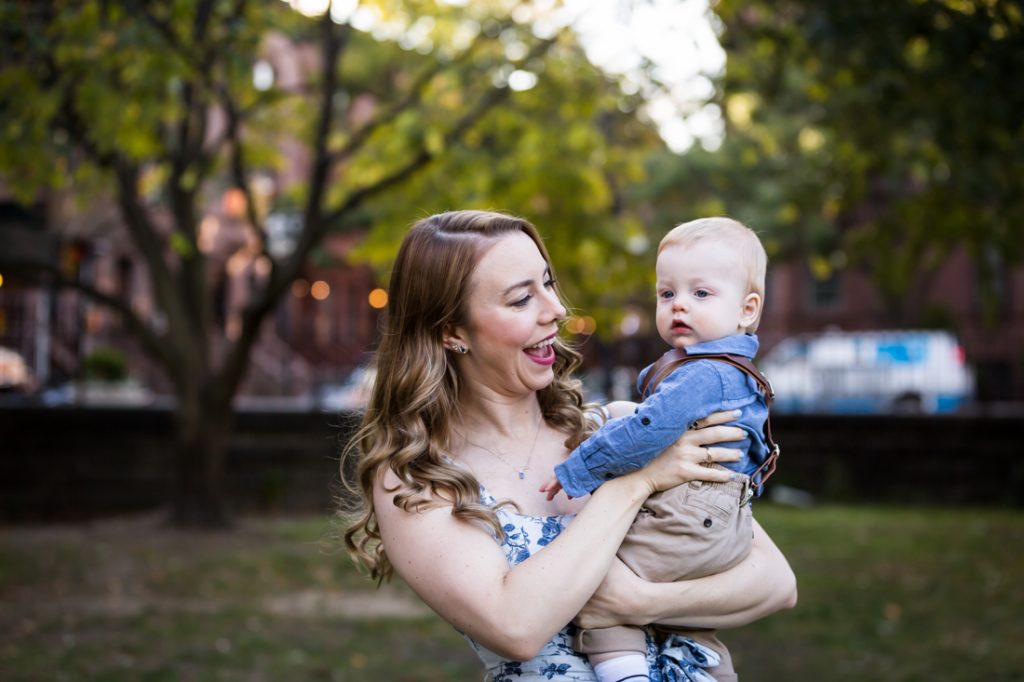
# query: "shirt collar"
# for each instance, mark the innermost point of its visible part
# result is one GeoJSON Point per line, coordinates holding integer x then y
{"type": "Point", "coordinates": [737, 344]}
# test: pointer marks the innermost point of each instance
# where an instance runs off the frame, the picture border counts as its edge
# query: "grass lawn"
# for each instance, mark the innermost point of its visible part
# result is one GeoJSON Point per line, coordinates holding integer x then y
{"type": "Point", "coordinates": [890, 594]}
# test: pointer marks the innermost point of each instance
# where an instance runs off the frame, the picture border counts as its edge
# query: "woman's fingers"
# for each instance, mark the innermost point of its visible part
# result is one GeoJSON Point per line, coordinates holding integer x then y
{"type": "Point", "coordinates": [713, 474]}
{"type": "Point", "coordinates": [681, 461]}
{"type": "Point", "coordinates": [716, 418]}
{"type": "Point", "coordinates": [714, 434]}
{"type": "Point", "coordinates": [722, 454]}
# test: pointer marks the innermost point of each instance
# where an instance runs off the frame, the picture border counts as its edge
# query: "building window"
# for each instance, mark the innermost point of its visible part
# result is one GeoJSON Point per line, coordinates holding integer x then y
{"type": "Point", "coordinates": [826, 293]}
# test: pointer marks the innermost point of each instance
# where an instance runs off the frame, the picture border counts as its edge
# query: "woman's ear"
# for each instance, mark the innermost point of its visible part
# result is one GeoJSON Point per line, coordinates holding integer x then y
{"type": "Point", "coordinates": [751, 310]}
{"type": "Point", "coordinates": [453, 339]}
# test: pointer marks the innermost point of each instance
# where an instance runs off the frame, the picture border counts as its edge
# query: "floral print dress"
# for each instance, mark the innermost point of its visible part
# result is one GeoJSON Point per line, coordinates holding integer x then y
{"type": "Point", "coordinates": [676, 660]}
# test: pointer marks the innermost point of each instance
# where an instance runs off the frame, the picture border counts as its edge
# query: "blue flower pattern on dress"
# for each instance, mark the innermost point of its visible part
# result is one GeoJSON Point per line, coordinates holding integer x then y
{"type": "Point", "coordinates": [510, 670]}
{"type": "Point", "coordinates": [550, 529]}
{"type": "Point", "coordinates": [551, 670]}
{"type": "Point", "coordinates": [524, 535]}
{"type": "Point", "coordinates": [682, 659]}
{"type": "Point", "coordinates": [517, 544]}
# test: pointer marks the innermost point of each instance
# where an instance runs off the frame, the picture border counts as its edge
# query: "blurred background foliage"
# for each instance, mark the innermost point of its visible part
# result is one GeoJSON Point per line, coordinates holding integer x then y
{"type": "Point", "coordinates": [877, 137]}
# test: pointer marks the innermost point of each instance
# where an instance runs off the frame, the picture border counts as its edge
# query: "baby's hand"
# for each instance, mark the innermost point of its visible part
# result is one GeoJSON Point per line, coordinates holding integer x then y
{"type": "Point", "coordinates": [551, 487]}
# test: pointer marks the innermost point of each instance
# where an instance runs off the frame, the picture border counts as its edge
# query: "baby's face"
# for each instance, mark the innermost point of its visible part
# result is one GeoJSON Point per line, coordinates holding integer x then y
{"type": "Point", "coordinates": [702, 293]}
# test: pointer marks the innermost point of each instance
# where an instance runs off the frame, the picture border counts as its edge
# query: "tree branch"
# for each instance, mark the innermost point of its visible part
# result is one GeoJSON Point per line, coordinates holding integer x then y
{"type": "Point", "coordinates": [138, 223]}
{"type": "Point", "coordinates": [144, 235]}
{"type": "Point", "coordinates": [411, 98]}
{"type": "Point", "coordinates": [333, 43]}
{"type": "Point", "coordinates": [317, 223]}
{"type": "Point", "coordinates": [239, 174]}
{"type": "Point", "coordinates": [153, 343]}
{"type": "Point", "coordinates": [333, 39]}
{"type": "Point", "coordinates": [488, 101]}
{"type": "Point", "coordinates": [164, 30]}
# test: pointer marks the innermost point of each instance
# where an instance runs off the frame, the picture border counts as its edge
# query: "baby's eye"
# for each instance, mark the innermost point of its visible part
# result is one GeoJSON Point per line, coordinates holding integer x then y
{"type": "Point", "coordinates": [666, 295]}
{"type": "Point", "coordinates": [702, 293]}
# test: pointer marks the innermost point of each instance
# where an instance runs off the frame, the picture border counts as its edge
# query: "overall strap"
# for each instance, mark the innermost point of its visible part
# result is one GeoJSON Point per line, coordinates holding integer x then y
{"type": "Point", "coordinates": [677, 357]}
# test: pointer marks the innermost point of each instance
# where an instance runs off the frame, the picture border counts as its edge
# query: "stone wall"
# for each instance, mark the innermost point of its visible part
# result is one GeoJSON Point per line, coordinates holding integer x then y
{"type": "Point", "coordinates": [78, 463]}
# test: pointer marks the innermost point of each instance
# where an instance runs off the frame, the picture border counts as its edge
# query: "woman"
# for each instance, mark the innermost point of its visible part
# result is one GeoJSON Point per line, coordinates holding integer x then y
{"type": "Point", "coordinates": [473, 406]}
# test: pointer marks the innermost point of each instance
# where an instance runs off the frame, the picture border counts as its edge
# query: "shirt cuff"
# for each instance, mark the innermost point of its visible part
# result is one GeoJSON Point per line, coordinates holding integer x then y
{"type": "Point", "coordinates": [576, 479]}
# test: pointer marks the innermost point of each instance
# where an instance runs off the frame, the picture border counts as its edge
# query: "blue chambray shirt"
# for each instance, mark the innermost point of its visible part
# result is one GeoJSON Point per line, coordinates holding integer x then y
{"type": "Point", "coordinates": [691, 392]}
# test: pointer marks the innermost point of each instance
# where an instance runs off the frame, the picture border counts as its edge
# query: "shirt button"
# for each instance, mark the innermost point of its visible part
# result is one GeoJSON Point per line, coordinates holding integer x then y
{"type": "Point", "coordinates": [645, 420]}
{"type": "Point", "coordinates": [707, 523]}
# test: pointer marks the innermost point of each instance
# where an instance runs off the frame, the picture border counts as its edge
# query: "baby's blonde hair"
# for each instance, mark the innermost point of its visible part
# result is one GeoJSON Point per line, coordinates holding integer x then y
{"type": "Point", "coordinates": [733, 234]}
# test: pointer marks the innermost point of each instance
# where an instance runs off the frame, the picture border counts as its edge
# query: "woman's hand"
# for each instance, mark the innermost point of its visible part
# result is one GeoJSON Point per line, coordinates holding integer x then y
{"type": "Point", "coordinates": [612, 604]}
{"type": "Point", "coordinates": [682, 461]}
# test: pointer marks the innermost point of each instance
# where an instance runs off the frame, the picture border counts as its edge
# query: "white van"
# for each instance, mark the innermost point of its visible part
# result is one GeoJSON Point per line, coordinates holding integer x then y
{"type": "Point", "coordinates": [875, 372]}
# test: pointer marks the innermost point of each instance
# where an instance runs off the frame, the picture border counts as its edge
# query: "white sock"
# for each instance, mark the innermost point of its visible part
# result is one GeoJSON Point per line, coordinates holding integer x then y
{"type": "Point", "coordinates": [628, 668]}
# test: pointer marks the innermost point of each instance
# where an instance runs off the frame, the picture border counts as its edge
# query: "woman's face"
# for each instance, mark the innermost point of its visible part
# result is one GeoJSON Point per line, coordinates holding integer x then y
{"type": "Point", "coordinates": [512, 319]}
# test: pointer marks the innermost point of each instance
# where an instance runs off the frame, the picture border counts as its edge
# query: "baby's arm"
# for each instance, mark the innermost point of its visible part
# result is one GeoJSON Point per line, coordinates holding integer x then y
{"type": "Point", "coordinates": [617, 408]}
{"type": "Point", "coordinates": [633, 437]}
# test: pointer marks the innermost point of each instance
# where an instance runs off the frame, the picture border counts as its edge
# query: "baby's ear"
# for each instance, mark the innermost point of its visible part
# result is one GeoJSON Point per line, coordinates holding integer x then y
{"type": "Point", "coordinates": [751, 310]}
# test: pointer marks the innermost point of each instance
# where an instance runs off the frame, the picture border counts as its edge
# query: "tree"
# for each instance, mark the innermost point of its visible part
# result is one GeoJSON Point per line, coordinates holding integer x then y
{"type": "Point", "coordinates": [154, 105]}
{"type": "Point", "coordinates": [875, 135]}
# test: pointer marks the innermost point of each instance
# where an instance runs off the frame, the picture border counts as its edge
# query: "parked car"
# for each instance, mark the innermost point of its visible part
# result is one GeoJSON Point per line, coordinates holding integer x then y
{"type": "Point", "coordinates": [14, 372]}
{"type": "Point", "coordinates": [875, 372]}
{"type": "Point", "coordinates": [351, 394]}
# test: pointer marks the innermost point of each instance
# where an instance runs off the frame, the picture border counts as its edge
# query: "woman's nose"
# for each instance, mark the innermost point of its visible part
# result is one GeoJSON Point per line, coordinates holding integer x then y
{"type": "Point", "coordinates": [554, 307]}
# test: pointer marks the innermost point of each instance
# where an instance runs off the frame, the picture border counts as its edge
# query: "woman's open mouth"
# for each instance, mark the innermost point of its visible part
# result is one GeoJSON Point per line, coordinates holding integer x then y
{"type": "Point", "coordinates": [543, 353]}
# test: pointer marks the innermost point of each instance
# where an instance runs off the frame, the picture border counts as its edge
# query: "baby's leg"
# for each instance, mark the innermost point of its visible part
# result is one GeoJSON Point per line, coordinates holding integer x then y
{"type": "Point", "coordinates": [690, 531]}
{"type": "Point", "coordinates": [618, 654]}
{"type": "Point", "coordinates": [629, 667]}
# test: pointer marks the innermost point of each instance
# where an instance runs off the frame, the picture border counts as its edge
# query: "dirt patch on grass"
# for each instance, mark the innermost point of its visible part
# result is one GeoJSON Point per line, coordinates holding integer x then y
{"type": "Point", "coordinates": [384, 603]}
{"type": "Point", "coordinates": [122, 568]}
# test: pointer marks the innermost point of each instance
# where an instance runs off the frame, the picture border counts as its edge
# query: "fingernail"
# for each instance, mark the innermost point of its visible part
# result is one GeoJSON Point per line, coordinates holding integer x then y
{"type": "Point", "coordinates": [736, 413]}
{"type": "Point", "coordinates": [732, 476]}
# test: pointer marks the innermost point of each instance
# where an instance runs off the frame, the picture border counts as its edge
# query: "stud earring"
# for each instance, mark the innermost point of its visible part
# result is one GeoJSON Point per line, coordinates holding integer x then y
{"type": "Point", "coordinates": [459, 348]}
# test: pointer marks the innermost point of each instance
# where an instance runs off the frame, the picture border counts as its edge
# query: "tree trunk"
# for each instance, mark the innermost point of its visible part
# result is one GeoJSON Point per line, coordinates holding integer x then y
{"type": "Point", "coordinates": [203, 433]}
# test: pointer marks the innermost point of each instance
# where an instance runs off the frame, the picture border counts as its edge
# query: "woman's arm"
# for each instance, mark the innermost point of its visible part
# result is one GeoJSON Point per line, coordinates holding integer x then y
{"type": "Point", "coordinates": [459, 570]}
{"type": "Point", "coordinates": [760, 585]}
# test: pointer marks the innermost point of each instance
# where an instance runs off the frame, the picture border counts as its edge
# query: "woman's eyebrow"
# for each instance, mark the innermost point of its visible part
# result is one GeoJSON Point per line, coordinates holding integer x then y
{"type": "Point", "coordinates": [525, 283]}
{"type": "Point", "coordinates": [517, 285]}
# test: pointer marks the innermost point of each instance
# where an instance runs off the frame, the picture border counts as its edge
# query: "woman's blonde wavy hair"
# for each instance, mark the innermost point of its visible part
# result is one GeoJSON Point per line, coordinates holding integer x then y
{"type": "Point", "coordinates": [407, 423]}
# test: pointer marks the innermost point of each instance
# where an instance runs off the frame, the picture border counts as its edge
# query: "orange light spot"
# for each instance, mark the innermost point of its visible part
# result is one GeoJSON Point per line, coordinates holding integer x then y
{"type": "Point", "coordinates": [320, 290]}
{"type": "Point", "coordinates": [378, 298]}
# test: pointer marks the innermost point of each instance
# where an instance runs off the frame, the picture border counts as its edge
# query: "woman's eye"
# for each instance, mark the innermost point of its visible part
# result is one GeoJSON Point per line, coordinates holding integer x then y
{"type": "Point", "coordinates": [550, 283]}
{"type": "Point", "coordinates": [523, 301]}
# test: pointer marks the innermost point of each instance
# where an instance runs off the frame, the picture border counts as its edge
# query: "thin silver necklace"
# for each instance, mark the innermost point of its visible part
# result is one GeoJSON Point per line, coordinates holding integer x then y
{"type": "Point", "coordinates": [526, 467]}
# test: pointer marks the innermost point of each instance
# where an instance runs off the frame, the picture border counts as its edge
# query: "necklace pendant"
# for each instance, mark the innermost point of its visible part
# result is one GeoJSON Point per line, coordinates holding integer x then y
{"type": "Point", "coordinates": [522, 475]}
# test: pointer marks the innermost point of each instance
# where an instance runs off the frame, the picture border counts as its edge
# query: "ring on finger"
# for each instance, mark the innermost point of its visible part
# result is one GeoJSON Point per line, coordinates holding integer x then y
{"type": "Point", "coordinates": [707, 454]}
